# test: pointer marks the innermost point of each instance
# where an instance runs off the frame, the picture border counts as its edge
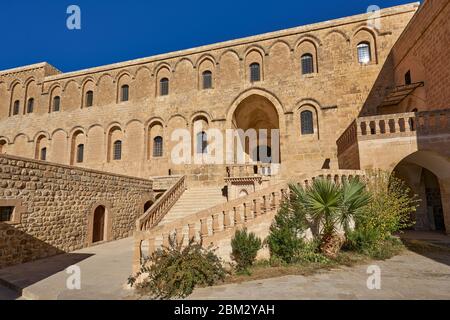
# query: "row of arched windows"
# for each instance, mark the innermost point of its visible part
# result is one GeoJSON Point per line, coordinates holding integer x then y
{"type": "Point", "coordinates": [307, 67]}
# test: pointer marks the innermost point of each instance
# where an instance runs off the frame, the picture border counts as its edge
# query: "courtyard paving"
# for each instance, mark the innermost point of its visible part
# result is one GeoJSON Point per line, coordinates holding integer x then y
{"type": "Point", "coordinates": [424, 274]}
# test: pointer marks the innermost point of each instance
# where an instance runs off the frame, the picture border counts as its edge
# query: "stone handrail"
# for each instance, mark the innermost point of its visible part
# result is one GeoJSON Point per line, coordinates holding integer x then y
{"type": "Point", "coordinates": [399, 124]}
{"type": "Point", "coordinates": [162, 206]}
{"type": "Point", "coordinates": [424, 122]}
{"type": "Point", "coordinates": [211, 224]}
{"type": "Point", "coordinates": [348, 138]}
{"type": "Point", "coordinates": [248, 170]}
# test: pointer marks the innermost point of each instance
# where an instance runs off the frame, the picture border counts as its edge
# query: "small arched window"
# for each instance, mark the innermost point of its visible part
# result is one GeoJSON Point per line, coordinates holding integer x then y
{"type": "Point", "coordinates": [255, 72]}
{"type": "Point", "coordinates": [80, 153]}
{"type": "Point", "coordinates": [89, 98]}
{"type": "Point", "coordinates": [202, 142]}
{"type": "Point", "coordinates": [117, 151]}
{"type": "Point", "coordinates": [43, 154]}
{"type": "Point", "coordinates": [306, 119]}
{"type": "Point", "coordinates": [364, 56]}
{"type": "Point", "coordinates": [307, 64]}
{"type": "Point", "coordinates": [125, 93]}
{"type": "Point", "coordinates": [164, 87]}
{"type": "Point", "coordinates": [16, 107]}
{"type": "Point", "coordinates": [158, 147]}
{"type": "Point", "coordinates": [56, 103]}
{"type": "Point", "coordinates": [30, 105]}
{"type": "Point", "coordinates": [207, 79]}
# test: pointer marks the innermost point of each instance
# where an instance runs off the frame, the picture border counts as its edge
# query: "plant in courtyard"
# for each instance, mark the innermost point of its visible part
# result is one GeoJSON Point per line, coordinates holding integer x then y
{"type": "Point", "coordinates": [333, 207]}
{"type": "Point", "coordinates": [388, 211]}
{"type": "Point", "coordinates": [174, 272]}
{"type": "Point", "coordinates": [286, 239]}
{"type": "Point", "coordinates": [245, 247]}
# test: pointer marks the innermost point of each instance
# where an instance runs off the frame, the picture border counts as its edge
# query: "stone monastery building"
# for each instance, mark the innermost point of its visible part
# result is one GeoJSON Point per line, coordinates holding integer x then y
{"type": "Point", "coordinates": [87, 155]}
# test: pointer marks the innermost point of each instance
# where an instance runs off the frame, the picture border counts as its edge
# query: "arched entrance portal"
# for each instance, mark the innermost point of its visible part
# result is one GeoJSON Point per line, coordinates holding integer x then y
{"type": "Point", "coordinates": [258, 113]}
{"type": "Point", "coordinates": [98, 232]}
{"type": "Point", "coordinates": [428, 176]}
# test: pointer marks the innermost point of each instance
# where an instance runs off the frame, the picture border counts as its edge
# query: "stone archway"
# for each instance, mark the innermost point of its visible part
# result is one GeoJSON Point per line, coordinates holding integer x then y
{"type": "Point", "coordinates": [259, 114]}
{"type": "Point", "coordinates": [98, 229]}
{"type": "Point", "coordinates": [428, 175]}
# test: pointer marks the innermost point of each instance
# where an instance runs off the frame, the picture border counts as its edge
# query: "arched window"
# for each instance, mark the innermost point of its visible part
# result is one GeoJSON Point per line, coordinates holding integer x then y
{"type": "Point", "coordinates": [56, 103]}
{"type": "Point", "coordinates": [306, 119]}
{"type": "Point", "coordinates": [30, 105]}
{"type": "Point", "coordinates": [158, 147]}
{"type": "Point", "coordinates": [207, 79]}
{"type": "Point", "coordinates": [89, 99]}
{"type": "Point", "coordinates": [16, 107]}
{"type": "Point", "coordinates": [117, 151]}
{"type": "Point", "coordinates": [255, 72]}
{"type": "Point", "coordinates": [43, 154]}
{"type": "Point", "coordinates": [125, 93]}
{"type": "Point", "coordinates": [202, 142]}
{"type": "Point", "coordinates": [307, 64]}
{"type": "Point", "coordinates": [164, 87]}
{"type": "Point", "coordinates": [80, 153]}
{"type": "Point", "coordinates": [364, 56]}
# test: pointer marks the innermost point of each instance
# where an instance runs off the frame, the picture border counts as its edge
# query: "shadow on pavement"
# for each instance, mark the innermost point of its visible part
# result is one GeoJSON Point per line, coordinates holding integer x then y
{"type": "Point", "coordinates": [433, 245]}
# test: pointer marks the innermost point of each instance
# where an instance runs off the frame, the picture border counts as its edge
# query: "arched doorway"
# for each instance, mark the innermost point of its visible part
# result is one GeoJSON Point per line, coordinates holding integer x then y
{"type": "Point", "coordinates": [428, 176]}
{"type": "Point", "coordinates": [147, 205]}
{"type": "Point", "coordinates": [98, 229]}
{"type": "Point", "coordinates": [258, 114]}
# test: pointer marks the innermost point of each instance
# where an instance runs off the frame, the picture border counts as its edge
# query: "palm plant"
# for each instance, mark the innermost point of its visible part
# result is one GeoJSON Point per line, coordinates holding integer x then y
{"type": "Point", "coordinates": [331, 206]}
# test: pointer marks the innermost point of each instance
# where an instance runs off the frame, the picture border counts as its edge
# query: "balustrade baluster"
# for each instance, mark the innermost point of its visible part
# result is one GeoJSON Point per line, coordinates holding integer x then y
{"type": "Point", "coordinates": [192, 232]}
{"type": "Point", "coordinates": [226, 220]}
{"type": "Point", "coordinates": [237, 216]}
{"type": "Point", "coordinates": [204, 228]}
{"type": "Point", "coordinates": [247, 212]}
{"type": "Point", "coordinates": [257, 206]}
{"type": "Point", "coordinates": [215, 224]}
{"type": "Point", "coordinates": [179, 236]}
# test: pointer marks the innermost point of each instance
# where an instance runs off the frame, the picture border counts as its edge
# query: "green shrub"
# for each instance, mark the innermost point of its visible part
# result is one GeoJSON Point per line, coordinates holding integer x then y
{"type": "Point", "coordinates": [368, 242]}
{"type": "Point", "coordinates": [245, 247]}
{"type": "Point", "coordinates": [285, 240]}
{"type": "Point", "coordinates": [174, 272]}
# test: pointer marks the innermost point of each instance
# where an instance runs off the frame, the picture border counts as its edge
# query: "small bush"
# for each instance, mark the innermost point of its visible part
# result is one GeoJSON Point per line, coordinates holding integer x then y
{"type": "Point", "coordinates": [245, 247]}
{"type": "Point", "coordinates": [174, 272]}
{"type": "Point", "coordinates": [370, 244]}
{"type": "Point", "coordinates": [285, 240]}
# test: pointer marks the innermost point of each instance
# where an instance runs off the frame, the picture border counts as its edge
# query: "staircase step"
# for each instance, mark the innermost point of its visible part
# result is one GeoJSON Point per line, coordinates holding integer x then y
{"type": "Point", "coordinates": [192, 201]}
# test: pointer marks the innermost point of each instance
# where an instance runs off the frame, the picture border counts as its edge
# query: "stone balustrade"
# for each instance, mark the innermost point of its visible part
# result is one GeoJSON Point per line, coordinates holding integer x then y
{"type": "Point", "coordinates": [248, 170]}
{"type": "Point", "coordinates": [162, 206]}
{"type": "Point", "coordinates": [219, 222]}
{"type": "Point", "coordinates": [393, 125]}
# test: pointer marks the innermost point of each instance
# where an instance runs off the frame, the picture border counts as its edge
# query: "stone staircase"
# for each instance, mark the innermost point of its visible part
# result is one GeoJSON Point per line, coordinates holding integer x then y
{"type": "Point", "coordinates": [194, 200]}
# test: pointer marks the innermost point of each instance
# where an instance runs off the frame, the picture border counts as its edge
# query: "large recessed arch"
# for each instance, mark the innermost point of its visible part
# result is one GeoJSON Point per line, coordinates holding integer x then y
{"type": "Point", "coordinates": [427, 173]}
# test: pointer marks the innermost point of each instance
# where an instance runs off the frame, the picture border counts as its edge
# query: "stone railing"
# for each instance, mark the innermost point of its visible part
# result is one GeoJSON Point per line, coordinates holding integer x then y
{"type": "Point", "coordinates": [399, 124]}
{"type": "Point", "coordinates": [348, 138]}
{"type": "Point", "coordinates": [249, 170]}
{"type": "Point", "coordinates": [162, 206]}
{"type": "Point", "coordinates": [216, 223]}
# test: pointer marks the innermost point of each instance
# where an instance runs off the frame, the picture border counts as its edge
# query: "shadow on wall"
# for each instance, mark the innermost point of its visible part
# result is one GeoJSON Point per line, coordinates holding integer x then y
{"type": "Point", "coordinates": [384, 83]}
{"type": "Point", "coordinates": [18, 247]}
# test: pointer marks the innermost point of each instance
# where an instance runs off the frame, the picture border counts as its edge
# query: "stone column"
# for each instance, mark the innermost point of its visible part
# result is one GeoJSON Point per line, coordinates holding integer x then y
{"type": "Point", "coordinates": [204, 228]}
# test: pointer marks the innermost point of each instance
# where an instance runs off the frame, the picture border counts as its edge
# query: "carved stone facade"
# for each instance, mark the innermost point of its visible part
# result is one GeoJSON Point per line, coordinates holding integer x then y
{"type": "Point", "coordinates": [333, 92]}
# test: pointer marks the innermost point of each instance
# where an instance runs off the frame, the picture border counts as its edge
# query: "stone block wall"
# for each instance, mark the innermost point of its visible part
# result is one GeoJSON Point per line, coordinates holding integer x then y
{"type": "Point", "coordinates": [54, 207]}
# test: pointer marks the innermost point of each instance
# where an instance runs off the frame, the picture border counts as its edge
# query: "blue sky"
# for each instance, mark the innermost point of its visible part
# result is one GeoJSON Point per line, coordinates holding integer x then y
{"type": "Point", "coordinates": [113, 31]}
